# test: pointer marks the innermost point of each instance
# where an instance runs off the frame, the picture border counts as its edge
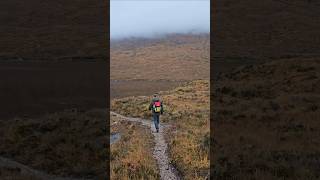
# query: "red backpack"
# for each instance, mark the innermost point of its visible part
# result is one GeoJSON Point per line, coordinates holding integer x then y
{"type": "Point", "coordinates": [157, 106]}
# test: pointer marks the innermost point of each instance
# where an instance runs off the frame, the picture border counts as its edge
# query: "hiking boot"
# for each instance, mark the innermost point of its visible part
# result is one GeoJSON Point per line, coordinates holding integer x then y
{"type": "Point", "coordinates": [157, 130]}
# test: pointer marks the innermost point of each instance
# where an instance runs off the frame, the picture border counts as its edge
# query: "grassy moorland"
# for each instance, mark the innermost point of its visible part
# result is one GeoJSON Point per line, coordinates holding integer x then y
{"type": "Point", "coordinates": [68, 143]}
{"type": "Point", "coordinates": [173, 57]}
{"type": "Point", "coordinates": [131, 156]}
{"type": "Point", "coordinates": [143, 66]}
{"type": "Point", "coordinates": [266, 121]}
{"type": "Point", "coordinates": [187, 110]}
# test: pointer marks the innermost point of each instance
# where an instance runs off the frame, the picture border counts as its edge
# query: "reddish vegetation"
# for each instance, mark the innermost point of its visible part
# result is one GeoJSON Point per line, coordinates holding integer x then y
{"type": "Point", "coordinates": [174, 57]}
{"type": "Point", "coordinates": [143, 66]}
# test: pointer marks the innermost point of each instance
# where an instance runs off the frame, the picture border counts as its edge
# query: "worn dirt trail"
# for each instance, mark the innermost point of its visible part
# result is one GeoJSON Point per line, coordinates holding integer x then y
{"type": "Point", "coordinates": [167, 171]}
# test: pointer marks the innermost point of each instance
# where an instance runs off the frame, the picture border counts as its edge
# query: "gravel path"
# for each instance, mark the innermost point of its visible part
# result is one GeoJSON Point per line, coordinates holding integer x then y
{"type": "Point", "coordinates": [167, 171]}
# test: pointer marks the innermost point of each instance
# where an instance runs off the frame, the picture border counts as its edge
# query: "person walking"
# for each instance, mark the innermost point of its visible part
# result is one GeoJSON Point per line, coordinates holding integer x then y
{"type": "Point", "coordinates": [157, 109]}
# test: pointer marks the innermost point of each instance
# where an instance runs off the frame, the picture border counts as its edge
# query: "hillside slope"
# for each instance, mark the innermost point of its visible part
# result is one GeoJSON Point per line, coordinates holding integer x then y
{"type": "Point", "coordinates": [172, 57]}
{"type": "Point", "coordinates": [266, 121]}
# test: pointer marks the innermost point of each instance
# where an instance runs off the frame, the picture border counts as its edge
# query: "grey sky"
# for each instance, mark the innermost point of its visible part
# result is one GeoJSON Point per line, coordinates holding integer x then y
{"type": "Point", "coordinates": [145, 18]}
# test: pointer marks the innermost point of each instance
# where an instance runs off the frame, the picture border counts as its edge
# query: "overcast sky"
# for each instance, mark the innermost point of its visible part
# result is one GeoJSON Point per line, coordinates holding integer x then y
{"type": "Point", "coordinates": [145, 18]}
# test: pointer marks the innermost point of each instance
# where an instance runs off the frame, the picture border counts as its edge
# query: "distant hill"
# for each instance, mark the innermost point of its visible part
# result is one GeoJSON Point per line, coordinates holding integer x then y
{"type": "Point", "coordinates": [172, 38]}
{"type": "Point", "coordinates": [171, 57]}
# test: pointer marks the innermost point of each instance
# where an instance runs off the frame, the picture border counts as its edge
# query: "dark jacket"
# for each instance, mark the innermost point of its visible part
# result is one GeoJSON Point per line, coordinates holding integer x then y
{"type": "Point", "coordinates": [151, 105]}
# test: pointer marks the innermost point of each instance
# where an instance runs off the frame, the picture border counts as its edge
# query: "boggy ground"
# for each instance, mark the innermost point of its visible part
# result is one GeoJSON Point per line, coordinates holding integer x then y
{"type": "Point", "coordinates": [67, 144]}
{"type": "Point", "coordinates": [187, 111]}
{"type": "Point", "coordinates": [125, 88]}
{"type": "Point", "coordinates": [266, 121]}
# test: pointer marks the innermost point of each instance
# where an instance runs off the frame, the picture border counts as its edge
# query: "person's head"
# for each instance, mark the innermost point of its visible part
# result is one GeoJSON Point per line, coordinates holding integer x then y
{"type": "Point", "coordinates": [155, 95]}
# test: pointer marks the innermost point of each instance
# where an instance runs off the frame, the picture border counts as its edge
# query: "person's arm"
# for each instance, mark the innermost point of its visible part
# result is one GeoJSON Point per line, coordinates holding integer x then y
{"type": "Point", "coordinates": [150, 106]}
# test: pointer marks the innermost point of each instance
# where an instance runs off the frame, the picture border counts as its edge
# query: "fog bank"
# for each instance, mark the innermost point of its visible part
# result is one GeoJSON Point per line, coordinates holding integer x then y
{"type": "Point", "coordinates": [141, 18]}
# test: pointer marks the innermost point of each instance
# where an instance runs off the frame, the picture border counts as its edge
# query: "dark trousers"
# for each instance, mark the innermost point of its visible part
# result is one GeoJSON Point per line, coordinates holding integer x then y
{"type": "Point", "coordinates": [156, 119]}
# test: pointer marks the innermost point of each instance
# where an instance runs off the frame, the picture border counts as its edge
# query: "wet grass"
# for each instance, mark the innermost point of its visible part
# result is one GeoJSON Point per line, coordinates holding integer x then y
{"type": "Point", "coordinates": [131, 156]}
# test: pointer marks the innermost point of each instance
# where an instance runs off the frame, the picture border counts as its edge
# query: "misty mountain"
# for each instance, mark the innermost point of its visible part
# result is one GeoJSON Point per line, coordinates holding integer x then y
{"type": "Point", "coordinates": [172, 39]}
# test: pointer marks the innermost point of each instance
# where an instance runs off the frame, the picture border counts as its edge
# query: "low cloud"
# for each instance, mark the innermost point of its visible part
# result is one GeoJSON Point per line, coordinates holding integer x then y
{"type": "Point", "coordinates": [141, 18]}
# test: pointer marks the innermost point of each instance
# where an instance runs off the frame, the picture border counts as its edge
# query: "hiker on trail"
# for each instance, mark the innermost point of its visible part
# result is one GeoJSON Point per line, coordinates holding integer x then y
{"type": "Point", "coordinates": [157, 109]}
